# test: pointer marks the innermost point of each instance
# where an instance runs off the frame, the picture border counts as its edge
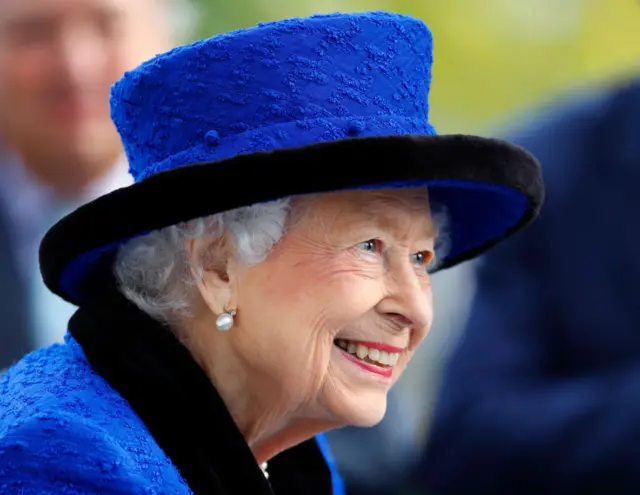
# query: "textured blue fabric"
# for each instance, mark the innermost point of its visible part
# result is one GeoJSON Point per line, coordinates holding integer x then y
{"type": "Point", "coordinates": [286, 84]}
{"type": "Point", "coordinates": [278, 85]}
{"type": "Point", "coordinates": [338, 484]}
{"type": "Point", "coordinates": [65, 431]}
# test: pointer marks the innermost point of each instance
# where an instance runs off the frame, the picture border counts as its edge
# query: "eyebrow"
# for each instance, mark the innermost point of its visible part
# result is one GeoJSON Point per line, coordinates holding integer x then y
{"type": "Point", "coordinates": [386, 223]}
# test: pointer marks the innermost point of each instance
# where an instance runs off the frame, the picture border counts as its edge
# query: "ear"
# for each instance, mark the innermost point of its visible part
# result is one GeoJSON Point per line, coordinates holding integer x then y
{"type": "Point", "coordinates": [212, 264]}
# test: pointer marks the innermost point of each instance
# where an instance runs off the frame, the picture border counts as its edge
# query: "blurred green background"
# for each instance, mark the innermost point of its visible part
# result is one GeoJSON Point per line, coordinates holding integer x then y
{"type": "Point", "coordinates": [492, 57]}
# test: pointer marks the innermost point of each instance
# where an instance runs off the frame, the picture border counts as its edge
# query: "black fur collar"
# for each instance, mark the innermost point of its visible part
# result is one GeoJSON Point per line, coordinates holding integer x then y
{"type": "Point", "coordinates": [155, 373]}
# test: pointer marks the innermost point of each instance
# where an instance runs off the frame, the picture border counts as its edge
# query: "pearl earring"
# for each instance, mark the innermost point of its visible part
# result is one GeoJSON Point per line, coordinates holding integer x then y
{"type": "Point", "coordinates": [225, 321]}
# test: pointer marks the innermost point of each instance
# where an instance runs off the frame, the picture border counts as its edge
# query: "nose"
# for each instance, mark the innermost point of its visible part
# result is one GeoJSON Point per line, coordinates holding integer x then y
{"type": "Point", "coordinates": [80, 55]}
{"type": "Point", "coordinates": [408, 302]}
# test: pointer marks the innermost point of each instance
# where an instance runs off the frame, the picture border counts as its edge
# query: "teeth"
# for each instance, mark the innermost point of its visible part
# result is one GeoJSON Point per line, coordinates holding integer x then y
{"type": "Point", "coordinates": [382, 357]}
{"type": "Point", "coordinates": [361, 351]}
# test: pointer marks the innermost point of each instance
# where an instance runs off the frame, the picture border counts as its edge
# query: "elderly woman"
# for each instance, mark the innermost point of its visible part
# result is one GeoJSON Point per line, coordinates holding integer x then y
{"type": "Point", "coordinates": [267, 277]}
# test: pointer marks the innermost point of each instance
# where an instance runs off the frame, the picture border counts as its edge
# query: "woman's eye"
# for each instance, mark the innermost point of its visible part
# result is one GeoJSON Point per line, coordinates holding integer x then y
{"type": "Point", "coordinates": [423, 258]}
{"type": "Point", "coordinates": [370, 246]}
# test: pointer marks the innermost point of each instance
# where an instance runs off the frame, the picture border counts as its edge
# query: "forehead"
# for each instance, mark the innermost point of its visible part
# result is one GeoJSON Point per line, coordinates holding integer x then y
{"type": "Point", "coordinates": [18, 10]}
{"type": "Point", "coordinates": [400, 210]}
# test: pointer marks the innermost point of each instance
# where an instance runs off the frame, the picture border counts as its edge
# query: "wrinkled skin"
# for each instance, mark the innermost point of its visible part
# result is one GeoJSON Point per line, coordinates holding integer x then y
{"type": "Point", "coordinates": [351, 265]}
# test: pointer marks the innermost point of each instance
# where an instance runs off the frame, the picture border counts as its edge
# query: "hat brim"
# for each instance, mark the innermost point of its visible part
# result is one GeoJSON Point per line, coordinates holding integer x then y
{"type": "Point", "coordinates": [490, 189]}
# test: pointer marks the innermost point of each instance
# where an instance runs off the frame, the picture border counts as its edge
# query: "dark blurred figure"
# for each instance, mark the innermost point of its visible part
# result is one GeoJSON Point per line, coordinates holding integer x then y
{"type": "Point", "coordinates": [543, 393]}
{"type": "Point", "coordinates": [58, 60]}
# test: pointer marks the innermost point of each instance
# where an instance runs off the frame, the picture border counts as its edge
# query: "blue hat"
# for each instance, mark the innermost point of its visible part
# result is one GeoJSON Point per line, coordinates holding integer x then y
{"type": "Point", "coordinates": [324, 103]}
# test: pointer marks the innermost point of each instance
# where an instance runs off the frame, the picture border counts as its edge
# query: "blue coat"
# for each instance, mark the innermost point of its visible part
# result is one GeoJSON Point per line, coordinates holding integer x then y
{"type": "Point", "coordinates": [543, 394]}
{"type": "Point", "coordinates": [102, 418]}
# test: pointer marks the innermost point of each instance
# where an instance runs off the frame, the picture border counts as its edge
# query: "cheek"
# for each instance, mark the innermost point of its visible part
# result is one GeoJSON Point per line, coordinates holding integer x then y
{"type": "Point", "coordinates": [274, 345]}
{"type": "Point", "coordinates": [22, 75]}
{"type": "Point", "coordinates": [283, 315]}
{"type": "Point", "coordinates": [290, 357]}
{"type": "Point", "coordinates": [301, 308]}
{"type": "Point", "coordinates": [325, 292]}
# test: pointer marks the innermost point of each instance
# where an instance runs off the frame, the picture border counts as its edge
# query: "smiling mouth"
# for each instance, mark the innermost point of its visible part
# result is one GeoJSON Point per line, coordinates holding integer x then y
{"type": "Point", "coordinates": [368, 355]}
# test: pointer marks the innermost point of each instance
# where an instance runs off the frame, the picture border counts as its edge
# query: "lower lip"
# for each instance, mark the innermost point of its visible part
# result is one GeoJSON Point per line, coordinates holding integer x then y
{"type": "Point", "coordinates": [385, 372]}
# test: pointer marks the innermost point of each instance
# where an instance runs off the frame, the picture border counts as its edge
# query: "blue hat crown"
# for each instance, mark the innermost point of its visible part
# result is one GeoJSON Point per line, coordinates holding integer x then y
{"type": "Point", "coordinates": [279, 85]}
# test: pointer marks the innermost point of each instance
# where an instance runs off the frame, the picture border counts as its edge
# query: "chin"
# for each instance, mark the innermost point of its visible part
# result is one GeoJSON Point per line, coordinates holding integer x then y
{"type": "Point", "coordinates": [364, 412]}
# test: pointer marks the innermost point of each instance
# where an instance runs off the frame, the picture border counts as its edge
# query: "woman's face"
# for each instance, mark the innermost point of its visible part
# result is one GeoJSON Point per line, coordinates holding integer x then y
{"type": "Point", "coordinates": [330, 319]}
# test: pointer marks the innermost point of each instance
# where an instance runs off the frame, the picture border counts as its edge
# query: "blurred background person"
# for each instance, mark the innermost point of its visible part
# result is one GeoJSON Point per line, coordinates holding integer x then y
{"type": "Point", "coordinates": [542, 394]}
{"type": "Point", "coordinates": [58, 146]}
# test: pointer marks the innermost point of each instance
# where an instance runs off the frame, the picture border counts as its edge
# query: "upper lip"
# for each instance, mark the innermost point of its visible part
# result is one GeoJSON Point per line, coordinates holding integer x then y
{"type": "Point", "coordinates": [378, 345]}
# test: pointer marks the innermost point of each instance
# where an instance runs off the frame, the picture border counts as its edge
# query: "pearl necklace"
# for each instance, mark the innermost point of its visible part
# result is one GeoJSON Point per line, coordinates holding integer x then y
{"type": "Point", "coordinates": [263, 466]}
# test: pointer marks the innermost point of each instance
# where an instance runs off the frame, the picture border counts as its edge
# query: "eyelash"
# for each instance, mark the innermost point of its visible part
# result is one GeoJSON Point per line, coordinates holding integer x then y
{"type": "Point", "coordinates": [426, 256]}
{"type": "Point", "coordinates": [376, 244]}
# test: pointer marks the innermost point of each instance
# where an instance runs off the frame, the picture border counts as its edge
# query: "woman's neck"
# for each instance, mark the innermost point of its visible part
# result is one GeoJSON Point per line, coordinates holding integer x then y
{"type": "Point", "coordinates": [265, 416]}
